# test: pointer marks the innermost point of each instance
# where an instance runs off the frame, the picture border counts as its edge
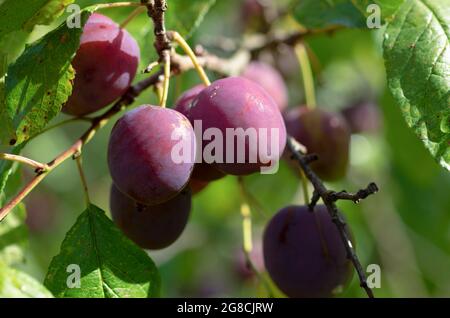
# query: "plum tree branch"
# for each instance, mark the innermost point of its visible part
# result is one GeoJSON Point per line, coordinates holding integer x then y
{"type": "Point", "coordinates": [329, 198]}
{"type": "Point", "coordinates": [156, 10]}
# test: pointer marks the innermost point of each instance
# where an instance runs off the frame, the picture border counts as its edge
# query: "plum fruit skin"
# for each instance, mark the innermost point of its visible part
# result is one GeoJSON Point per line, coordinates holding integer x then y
{"type": "Point", "coordinates": [324, 133]}
{"type": "Point", "coordinates": [363, 117]}
{"type": "Point", "coordinates": [151, 227]}
{"type": "Point", "coordinates": [140, 154]}
{"type": "Point", "coordinates": [236, 102]}
{"type": "Point", "coordinates": [105, 65]}
{"type": "Point", "coordinates": [184, 102]}
{"type": "Point", "coordinates": [304, 254]}
{"type": "Point", "coordinates": [269, 79]}
{"type": "Point", "coordinates": [202, 171]}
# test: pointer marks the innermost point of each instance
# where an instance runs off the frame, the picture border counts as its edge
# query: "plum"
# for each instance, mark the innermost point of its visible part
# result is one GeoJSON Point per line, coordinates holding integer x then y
{"type": "Point", "coordinates": [363, 117]}
{"type": "Point", "coordinates": [304, 254]}
{"type": "Point", "coordinates": [247, 119]}
{"type": "Point", "coordinates": [105, 64]}
{"type": "Point", "coordinates": [151, 227]}
{"type": "Point", "coordinates": [324, 133]}
{"type": "Point", "coordinates": [141, 154]}
{"type": "Point", "coordinates": [202, 170]}
{"type": "Point", "coordinates": [269, 79]}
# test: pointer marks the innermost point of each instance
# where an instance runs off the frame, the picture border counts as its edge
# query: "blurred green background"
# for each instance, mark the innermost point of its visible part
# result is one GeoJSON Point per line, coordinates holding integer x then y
{"type": "Point", "coordinates": [405, 228]}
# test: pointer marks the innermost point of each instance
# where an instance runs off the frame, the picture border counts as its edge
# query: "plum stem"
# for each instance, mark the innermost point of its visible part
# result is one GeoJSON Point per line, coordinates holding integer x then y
{"type": "Point", "coordinates": [166, 81]}
{"type": "Point", "coordinates": [117, 5]}
{"type": "Point", "coordinates": [79, 162]}
{"type": "Point", "coordinates": [247, 241]}
{"type": "Point", "coordinates": [133, 14]}
{"type": "Point", "coordinates": [175, 36]}
{"type": "Point", "coordinates": [329, 198]}
{"type": "Point", "coordinates": [304, 187]}
{"type": "Point", "coordinates": [307, 75]}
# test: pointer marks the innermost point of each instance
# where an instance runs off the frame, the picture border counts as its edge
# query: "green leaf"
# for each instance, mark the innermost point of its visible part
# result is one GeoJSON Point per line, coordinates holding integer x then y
{"type": "Point", "coordinates": [110, 264]}
{"type": "Point", "coordinates": [17, 284]}
{"type": "Point", "coordinates": [39, 83]}
{"type": "Point", "coordinates": [24, 15]}
{"type": "Point", "coordinates": [314, 14]}
{"type": "Point", "coordinates": [13, 236]}
{"type": "Point", "coordinates": [417, 58]}
{"type": "Point", "coordinates": [388, 7]}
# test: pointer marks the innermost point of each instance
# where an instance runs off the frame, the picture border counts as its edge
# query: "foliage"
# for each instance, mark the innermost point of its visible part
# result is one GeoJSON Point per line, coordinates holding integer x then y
{"type": "Point", "coordinates": [36, 79]}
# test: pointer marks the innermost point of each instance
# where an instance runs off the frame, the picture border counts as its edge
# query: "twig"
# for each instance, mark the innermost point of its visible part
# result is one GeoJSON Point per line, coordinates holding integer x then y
{"type": "Point", "coordinates": [156, 10]}
{"type": "Point", "coordinates": [117, 5]}
{"type": "Point", "coordinates": [175, 36]}
{"type": "Point", "coordinates": [258, 44]}
{"type": "Point", "coordinates": [329, 198]}
{"type": "Point", "coordinates": [30, 162]}
{"type": "Point", "coordinates": [132, 15]}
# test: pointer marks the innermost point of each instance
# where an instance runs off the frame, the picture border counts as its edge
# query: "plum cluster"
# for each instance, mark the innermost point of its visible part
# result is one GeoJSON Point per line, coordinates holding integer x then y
{"type": "Point", "coordinates": [151, 195]}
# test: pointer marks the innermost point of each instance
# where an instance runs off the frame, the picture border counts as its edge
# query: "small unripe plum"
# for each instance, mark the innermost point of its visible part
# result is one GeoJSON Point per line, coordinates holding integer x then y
{"type": "Point", "coordinates": [304, 254]}
{"type": "Point", "coordinates": [151, 227]}
{"type": "Point", "coordinates": [105, 64]}
{"type": "Point", "coordinates": [202, 170]}
{"type": "Point", "coordinates": [269, 79]}
{"type": "Point", "coordinates": [141, 154]}
{"type": "Point", "coordinates": [324, 133]}
{"type": "Point", "coordinates": [234, 107]}
{"type": "Point", "coordinates": [363, 117]}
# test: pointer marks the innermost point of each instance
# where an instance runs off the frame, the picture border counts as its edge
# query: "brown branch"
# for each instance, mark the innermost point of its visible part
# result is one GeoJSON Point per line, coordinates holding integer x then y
{"type": "Point", "coordinates": [156, 10]}
{"type": "Point", "coordinates": [355, 197]}
{"type": "Point", "coordinates": [329, 198]}
{"type": "Point", "coordinates": [259, 43]}
{"type": "Point", "coordinates": [30, 162]}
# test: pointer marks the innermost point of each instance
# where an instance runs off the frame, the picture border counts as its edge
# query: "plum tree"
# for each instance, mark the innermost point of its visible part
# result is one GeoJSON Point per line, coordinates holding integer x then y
{"type": "Point", "coordinates": [269, 79]}
{"type": "Point", "coordinates": [140, 154]}
{"type": "Point", "coordinates": [324, 133]}
{"type": "Point", "coordinates": [304, 254]}
{"type": "Point", "coordinates": [151, 227]}
{"type": "Point", "coordinates": [363, 117]}
{"type": "Point", "coordinates": [202, 171]}
{"type": "Point", "coordinates": [240, 106]}
{"type": "Point", "coordinates": [105, 65]}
